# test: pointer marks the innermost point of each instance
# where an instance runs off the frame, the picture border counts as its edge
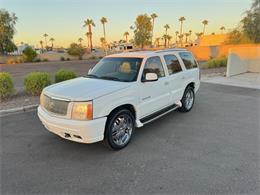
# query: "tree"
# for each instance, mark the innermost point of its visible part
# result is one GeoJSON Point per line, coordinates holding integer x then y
{"type": "Point", "coordinates": [41, 43]}
{"type": "Point", "coordinates": [76, 50]}
{"type": "Point", "coordinates": [45, 36]}
{"type": "Point", "coordinates": [237, 36]}
{"type": "Point", "coordinates": [204, 22]}
{"type": "Point", "coordinates": [157, 41]}
{"type": "Point", "coordinates": [89, 23]}
{"type": "Point", "coordinates": [190, 33]}
{"type": "Point", "coordinates": [176, 33]}
{"type": "Point", "coordinates": [181, 19]}
{"type": "Point", "coordinates": [142, 30]}
{"type": "Point", "coordinates": [169, 37]}
{"type": "Point", "coordinates": [7, 31]}
{"type": "Point", "coordinates": [88, 35]}
{"type": "Point", "coordinates": [222, 28]}
{"type": "Point", "coordinates": [126, 34]}
{"type": "Point", "coordinates": [199, 35]}
{"type": "Point", "coordinates": [52, 40]}
{"type": "Point", "coordinates": [153, 16]}
{"type": "Point", "coordinates": [103, 42]}
{"type": "Point", "coordinates": [186, 35]}
{"type": "Point", "coordinates": [80, 40]}
{"type": "Point", "coordinates": [251, 22]}
{"type": "Point", "coordinates": [29, 54]}
{"type": "Point", "coordinates": [103, 20]}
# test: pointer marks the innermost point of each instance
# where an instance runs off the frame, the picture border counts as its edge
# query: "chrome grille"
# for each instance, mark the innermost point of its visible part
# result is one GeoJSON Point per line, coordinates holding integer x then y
{"type": "Point", "coordinates": [55, 106]}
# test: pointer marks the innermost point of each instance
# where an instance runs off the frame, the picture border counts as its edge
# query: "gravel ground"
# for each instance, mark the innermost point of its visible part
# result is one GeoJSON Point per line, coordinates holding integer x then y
{"type": "Point", "coordinates": [18, 71]}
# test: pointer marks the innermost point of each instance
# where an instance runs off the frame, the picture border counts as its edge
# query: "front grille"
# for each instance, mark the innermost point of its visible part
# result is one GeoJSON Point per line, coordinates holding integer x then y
{"type": "Point", "coordinates": [55, 106]}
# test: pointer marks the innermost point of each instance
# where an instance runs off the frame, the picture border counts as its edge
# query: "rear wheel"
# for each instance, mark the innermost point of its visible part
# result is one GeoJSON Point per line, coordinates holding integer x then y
{"type": "Point", "coordinates": [119, 129]}
{"type": "Point", "coordinates": [187, 99]}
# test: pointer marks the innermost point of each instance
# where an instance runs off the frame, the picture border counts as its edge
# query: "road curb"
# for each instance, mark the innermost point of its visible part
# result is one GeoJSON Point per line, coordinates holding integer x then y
{"type": "Point", "coordinates": [18, 109]}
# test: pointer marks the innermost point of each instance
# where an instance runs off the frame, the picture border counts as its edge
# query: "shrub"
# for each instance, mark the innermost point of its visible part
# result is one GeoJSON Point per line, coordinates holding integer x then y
{"type": "Point", "coordinates": [62, 58]}
{"type": "Point", "coordinates": [36, 81]}
{"type": "Point", "coordinates": [63, 75]}
{"type": "Point", "coordinates": [216, 63]}
{"type": "Point", "coordinates": [37, 60]}
{"type": "Point", "coordinates": [6, 85]}
{"type": "Point", "coordinates": [68, 59]}
{"type": "Point", "coordinates": [76, 50]}
{"type": "Point", "coordinates": [92, 57]}
{"type": "Point", "coordinates": [15, 60]}
{"type": "Point", "coordinates": [29, 54]}
{"type": "Point", "coordinates": [11, 61]}
{"type": "Point", "coordinates": [45, 60]}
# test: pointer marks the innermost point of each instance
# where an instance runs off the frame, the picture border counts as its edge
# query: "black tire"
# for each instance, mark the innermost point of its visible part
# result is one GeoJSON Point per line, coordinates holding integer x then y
{"type": "Point", "coordinates": [186, 107]}
{"type": "Point", "coordinates": [111, 122]}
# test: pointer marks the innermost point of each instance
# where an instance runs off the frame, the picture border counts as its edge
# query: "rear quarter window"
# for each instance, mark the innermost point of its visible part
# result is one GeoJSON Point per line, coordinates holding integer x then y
{"type": "Point", "coordinates": [188, 60]}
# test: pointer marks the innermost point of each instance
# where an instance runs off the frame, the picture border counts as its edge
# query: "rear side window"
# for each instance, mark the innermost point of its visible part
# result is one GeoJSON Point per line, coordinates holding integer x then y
{"type": "Point", "coordinates": [154, 65]}
{"type": "Point", "coordinates": [188, 60]}
{"type": "Point", "coordinates": [172, 63]}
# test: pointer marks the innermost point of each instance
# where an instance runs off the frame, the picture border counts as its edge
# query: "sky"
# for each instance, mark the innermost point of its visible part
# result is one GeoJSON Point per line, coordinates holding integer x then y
{"type": "Point", "coordinates": [63, 19]}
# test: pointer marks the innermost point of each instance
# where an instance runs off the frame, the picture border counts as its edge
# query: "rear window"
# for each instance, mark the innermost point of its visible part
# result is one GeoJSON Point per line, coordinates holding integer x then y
{"type": "Point", "coordinates": [172, 63]}
{"type": "Point", "coordinates": [188, 60]}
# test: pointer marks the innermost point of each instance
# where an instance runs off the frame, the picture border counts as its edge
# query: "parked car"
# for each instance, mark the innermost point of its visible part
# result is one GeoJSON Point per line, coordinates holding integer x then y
{"type": "Point", "coordinates": [122, 92]}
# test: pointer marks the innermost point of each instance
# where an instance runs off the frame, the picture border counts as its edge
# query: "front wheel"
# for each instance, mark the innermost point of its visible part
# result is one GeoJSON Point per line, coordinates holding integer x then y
{"type": "Point", "coordinates": [187, 100]}
{"type": "Point", "coordinates": [119, 129]}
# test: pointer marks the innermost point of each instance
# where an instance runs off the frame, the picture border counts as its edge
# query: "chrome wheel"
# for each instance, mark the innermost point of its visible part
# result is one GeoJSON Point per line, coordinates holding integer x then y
{"type": "Point", "coordinates": [122, 129]}
{"type": "Point", "coordinates": [189, 98]}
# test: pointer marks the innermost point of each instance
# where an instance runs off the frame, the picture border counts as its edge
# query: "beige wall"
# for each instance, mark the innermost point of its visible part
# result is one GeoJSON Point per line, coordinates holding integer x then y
{"type": "Point", "coordinates": [243, 59]}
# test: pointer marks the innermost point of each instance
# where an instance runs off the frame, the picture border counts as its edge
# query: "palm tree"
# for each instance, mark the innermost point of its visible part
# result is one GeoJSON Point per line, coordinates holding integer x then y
{"type": "Point", "coordinates": [80, 40]}
{"type": "Point", "coordinates": [89, 23]}
{"type": "Point", "coordinates": [41, 43]}
{"type": "Point", "coordinates": [103, 42]}
{"type": "Point", "coordinates": [199, 35]}
{"type": "Point", "coordinates": [186, 35]}
{"type": "Point", "coordinates": [52, 40]}
{"type": "Point", "coordinates": [180, 38]}
{"type": "Point", "coordinates": [222, 28]}
{"type": "Point", "coordinates": [153, 16]}
{"type": "Point", "coordinates": [103, 20]}
{"type": "Point", "coordinates": [166, 26]}
{"type": "Point", "coordinates": [126, 34]}
{"type": "Point", "coordinates": [169, 37]}
{"type": "Point", "coordinates": [45, 36]}
{"type": "Point", "coordinates": [190, 33]}
{"type": "Point", "coordinates": [204, 22]}
{"type": "Point", "coordinates": [88, 35]}
{"type": "Point", "coordinates": [176, 33]}
{"type": "Point", "coordinates": [181, 19]}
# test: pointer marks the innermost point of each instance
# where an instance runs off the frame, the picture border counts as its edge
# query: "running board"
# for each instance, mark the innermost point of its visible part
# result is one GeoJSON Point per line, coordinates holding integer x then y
{"type": "Point", "coordinates": [159, 114]}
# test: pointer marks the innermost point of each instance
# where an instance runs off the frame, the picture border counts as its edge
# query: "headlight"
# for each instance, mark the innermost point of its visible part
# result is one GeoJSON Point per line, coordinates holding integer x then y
{"type": "Point", "coordinates": [82, 111]}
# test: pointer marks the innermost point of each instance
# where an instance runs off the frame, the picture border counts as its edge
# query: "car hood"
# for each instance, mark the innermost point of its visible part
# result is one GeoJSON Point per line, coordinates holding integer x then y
{"type": "Point", "coordinates": [84, 89]}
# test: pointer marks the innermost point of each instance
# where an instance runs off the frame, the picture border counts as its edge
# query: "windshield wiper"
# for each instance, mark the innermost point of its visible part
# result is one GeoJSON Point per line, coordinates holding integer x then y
{"type": "Point", "coordinates": [91, 76]}
{"type": "Point", "coordinates": [110, 78]}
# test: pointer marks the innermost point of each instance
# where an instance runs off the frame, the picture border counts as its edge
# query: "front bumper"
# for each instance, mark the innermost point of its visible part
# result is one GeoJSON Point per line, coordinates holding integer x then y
{"type": "Point", "coordinates": [74, 130]}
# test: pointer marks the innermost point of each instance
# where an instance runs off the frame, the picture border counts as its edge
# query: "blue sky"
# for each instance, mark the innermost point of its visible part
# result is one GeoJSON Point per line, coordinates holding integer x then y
{"type": "Point", "coordinates": [63, 19]}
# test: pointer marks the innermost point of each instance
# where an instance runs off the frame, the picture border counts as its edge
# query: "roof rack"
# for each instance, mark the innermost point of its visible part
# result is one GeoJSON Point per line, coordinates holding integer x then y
{"type": "Point", "coordinates": [172, 49]}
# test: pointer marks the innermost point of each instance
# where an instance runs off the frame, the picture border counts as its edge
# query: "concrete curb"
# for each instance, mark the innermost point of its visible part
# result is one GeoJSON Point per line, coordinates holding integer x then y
{"type": "Point", "coordinates": [18, 109]}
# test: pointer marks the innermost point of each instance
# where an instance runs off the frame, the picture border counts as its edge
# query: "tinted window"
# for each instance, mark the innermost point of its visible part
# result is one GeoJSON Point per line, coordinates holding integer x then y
{"type": "Point", "coordinates": [154, 65]}
{"type": "Point", "coordinates": [172, 63]}
{"type": "Point", "coordinates": [122, 69]}
{"type": "Point", "coordinates": [188, 60]}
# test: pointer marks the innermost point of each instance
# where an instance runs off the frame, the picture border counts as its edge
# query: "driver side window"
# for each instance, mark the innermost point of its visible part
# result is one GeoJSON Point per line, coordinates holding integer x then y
{"type": "Point", "coordinates": [154, 65]}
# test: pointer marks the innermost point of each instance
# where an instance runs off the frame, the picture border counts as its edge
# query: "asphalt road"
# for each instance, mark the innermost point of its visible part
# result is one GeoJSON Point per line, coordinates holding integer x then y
{"type": "Point", "coordinates": [214, 149]}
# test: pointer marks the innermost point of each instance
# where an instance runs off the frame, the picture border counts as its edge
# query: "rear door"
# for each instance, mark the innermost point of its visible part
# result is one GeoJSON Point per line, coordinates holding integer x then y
{"type": "Point", "coordinates": [176, 76]}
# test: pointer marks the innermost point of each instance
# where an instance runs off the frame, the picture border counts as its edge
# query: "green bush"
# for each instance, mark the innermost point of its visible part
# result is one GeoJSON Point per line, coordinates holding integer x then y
{"type": "Point", "coordinates": [29, 54]}
{"type": "Point", "coordinates": [62, 58]}
{"type": "Point", "coordinates": [63, 75]}
{"type": "Point", "coordinates": [216, 63]}
{"type": "Point", "coordinates": [6, 85]}
{"type": "Point", "coordinates": [35, 82]}
{"type": "Point", "coordinates": [37, 60]}
{"type": "Point", "coordinates": [45, 60]}
{"type": "Point", "coordinates": [92, 57]}
{"type": "Point", "coordinates": [68, 59]}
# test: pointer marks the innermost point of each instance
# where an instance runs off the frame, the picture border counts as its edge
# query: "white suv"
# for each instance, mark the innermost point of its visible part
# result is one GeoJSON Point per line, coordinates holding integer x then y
{"type": "Point", "coordinates": [122, 91]}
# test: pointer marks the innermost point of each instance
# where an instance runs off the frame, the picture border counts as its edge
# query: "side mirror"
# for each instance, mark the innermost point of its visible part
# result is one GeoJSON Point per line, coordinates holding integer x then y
{"type": "Point", "coordinates": [149, 77]}
{"type": "Point", "coordinates": [89, 71]}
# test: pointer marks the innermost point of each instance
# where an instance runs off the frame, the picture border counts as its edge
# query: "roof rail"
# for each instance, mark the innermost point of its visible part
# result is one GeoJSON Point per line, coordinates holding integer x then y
{"type": "Point", "coordinates": [171, 49]}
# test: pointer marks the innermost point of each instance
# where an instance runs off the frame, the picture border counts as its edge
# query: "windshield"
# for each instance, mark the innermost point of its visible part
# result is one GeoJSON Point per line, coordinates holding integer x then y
{"type": "Point", "coordinates": [118, 69]}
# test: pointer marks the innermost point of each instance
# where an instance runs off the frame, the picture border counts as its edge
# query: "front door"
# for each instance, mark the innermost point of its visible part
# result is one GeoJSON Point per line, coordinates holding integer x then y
{"type": "Point", "coordinates": [154, 95]}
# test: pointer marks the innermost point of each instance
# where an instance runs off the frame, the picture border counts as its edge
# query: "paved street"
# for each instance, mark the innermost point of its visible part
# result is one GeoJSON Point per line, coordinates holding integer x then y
{"type": "Point", "coordinates": [214, 149]}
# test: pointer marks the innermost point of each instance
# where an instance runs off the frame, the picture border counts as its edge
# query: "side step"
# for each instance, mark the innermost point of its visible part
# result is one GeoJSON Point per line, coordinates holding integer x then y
{"type": "Point", "coordinates": [159, 114]}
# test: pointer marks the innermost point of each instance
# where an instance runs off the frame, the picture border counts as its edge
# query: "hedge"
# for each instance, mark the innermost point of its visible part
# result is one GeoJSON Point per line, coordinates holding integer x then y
{"type": "Point", "coordinates": [63, 75]}
{"type": "Point", "coordinates": [6, 85]}
{"type": "Point", "coordinates": [35, 82]}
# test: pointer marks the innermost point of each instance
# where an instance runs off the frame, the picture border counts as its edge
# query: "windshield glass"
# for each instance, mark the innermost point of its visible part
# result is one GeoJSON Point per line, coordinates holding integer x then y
{"type": "Point", "coordinates": [118, 69]}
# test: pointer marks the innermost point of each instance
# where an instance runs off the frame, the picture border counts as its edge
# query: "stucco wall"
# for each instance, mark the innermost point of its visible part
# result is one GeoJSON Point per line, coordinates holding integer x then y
{"type": "Point", "coordinates": [243, 59]}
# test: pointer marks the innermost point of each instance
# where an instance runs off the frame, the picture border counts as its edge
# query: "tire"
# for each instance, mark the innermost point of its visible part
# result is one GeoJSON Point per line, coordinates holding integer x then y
{"type": "Point", "coordinates": [119, 129]}
{"type": "Point", "coordinates": [187, 104]}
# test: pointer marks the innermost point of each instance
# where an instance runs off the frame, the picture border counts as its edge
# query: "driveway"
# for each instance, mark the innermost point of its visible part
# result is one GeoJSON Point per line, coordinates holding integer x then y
{"type": "Point", "coordinates": [214, 149]}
